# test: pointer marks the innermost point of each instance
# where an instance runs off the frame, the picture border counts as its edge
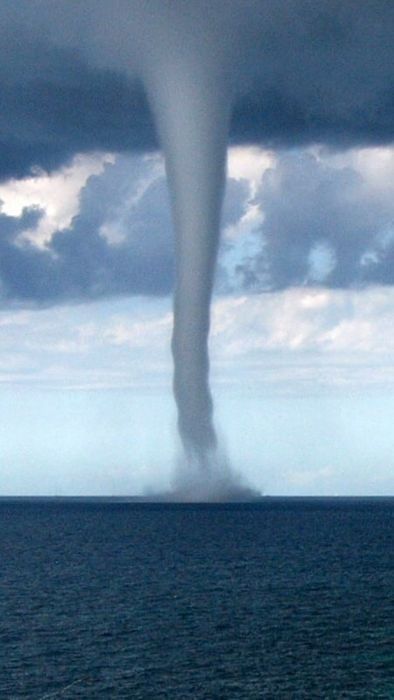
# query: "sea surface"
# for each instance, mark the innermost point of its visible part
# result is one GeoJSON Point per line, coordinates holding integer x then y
{"type": "Point", "coordinates": [282, 598]}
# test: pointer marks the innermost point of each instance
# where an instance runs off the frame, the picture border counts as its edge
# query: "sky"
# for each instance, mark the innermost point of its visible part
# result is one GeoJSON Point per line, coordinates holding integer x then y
{"type": "Point", "coordinates": [302, 333]}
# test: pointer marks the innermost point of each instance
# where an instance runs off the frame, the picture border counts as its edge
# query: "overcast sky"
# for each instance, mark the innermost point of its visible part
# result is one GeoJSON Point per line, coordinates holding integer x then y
{"type": "Point", "coordinates": [303, 328]}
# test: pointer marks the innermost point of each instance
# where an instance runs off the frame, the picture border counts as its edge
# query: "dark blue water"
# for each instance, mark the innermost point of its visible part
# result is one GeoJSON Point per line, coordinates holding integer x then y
{"type": "Point", "coordinates": [280, 599]}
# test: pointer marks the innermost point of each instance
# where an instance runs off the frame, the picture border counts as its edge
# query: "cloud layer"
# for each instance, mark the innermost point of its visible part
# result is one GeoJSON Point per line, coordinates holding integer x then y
{"type": "Point", "coordinates": [102, 227]}
{"type": "Point", "coordinates": [294, 342]}
{"type": "Point", "coordinates": [300, 72]}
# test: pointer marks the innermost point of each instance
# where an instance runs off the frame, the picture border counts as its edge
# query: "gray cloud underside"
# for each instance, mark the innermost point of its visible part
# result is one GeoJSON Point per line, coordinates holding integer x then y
{"type": "Point", "coordinates": [60, 106]}
{"type": "Point", "coordinates": [301, 72]}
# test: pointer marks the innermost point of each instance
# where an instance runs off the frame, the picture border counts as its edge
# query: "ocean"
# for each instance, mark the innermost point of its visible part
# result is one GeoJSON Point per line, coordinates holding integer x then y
{"type": "Point", "coordinates": [282, 598]}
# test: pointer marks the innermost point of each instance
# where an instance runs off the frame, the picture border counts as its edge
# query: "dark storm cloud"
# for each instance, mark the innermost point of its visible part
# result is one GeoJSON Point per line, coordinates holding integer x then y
{"type": "Point", "coordinates": [300, 71]}
{"type": "Point", "coordinates": [318, 72]}
{"type": "Point", "coordinates": [54, 105]}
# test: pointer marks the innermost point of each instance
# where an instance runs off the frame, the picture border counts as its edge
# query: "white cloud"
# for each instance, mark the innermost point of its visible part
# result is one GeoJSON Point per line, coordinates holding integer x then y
{"type": "Point", "coordinates": [320, 320]}
{"type": "Point", "coordinates": [297, 340]}
{"type": "Point", "coordinates": [139, 334]}
{"type": "Point", "coordinates": [57, 194]}
{"type": "Point", "coordinates": [374, 164]}
{"type": "Point", "coordinates": [249, 163]}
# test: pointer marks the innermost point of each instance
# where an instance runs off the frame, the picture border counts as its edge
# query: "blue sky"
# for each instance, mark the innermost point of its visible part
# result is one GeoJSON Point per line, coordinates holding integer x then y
{"type": "Point", "coordinates": [302, 334]}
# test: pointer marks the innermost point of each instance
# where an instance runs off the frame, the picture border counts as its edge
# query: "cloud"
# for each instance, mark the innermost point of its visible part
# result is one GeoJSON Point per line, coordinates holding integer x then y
{"type": "Point", "coordinates": [71, 81]}
{"type": "Point", "coordinates": [301, 320]}
{"type": "Point", "coordinates": [118, 344]}
{"type": "Point", "coordinates": [318, 72]}
{"type": "Point", "coordinates": [301, 72]}
{"type": "Point", "coordinates": [56, 195]}
{"type": "Point", "coordinates": [324, 220]}
{"type": "Point", "coordinates": [102, 227]}
{"type": "Point", "coordinates": [56, 106]}
{"type": "Point", "coordinates": [294, 342]}
{"type": "Point", "coordinates": [98, 228]}
{"type": "Point", "coordinates": [304, 342]}
{"type": "Point", "coordinates": [119, 242]}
